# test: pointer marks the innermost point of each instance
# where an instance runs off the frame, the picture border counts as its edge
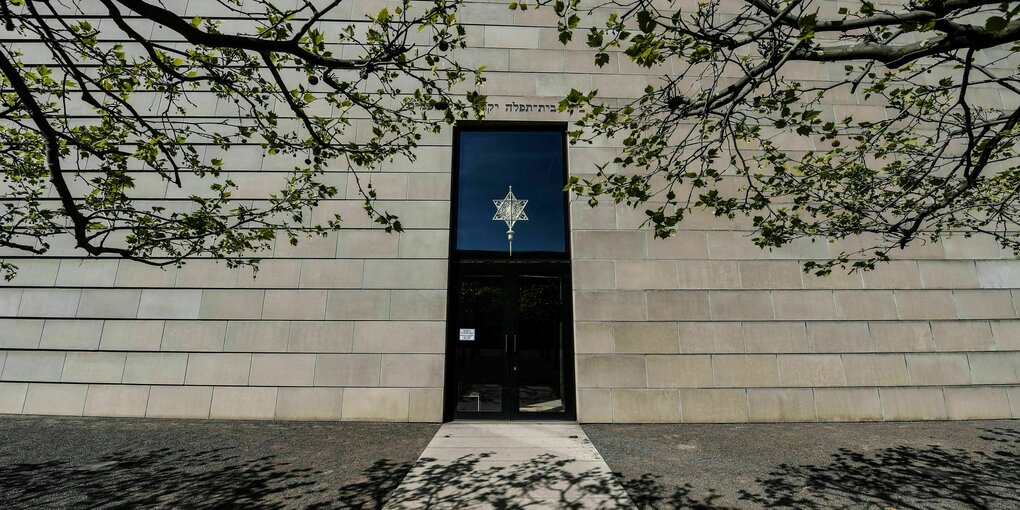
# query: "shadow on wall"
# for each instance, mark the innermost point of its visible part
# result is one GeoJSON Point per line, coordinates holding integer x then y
{"type": "Point", "coordinates": [898, 477]}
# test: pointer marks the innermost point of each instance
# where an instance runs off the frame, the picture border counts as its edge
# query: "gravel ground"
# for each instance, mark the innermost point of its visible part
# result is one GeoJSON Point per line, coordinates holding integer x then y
{"type": "Point", "coordinates": [937, 465]}
{"type": "Point", "coordinates": [50, 462]}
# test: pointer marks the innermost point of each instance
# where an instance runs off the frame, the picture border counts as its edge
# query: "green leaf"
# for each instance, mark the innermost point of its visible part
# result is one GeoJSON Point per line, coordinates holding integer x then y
{"type": "Point", "coordinates": [806, 24]}
{"type": "Point", "coordinates": [646, 22]}
{"type": "Point", "coordinates": [995, 24]}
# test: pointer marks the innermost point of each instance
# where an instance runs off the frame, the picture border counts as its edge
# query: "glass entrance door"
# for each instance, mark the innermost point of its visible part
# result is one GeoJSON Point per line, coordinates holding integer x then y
{"type": "Point", "coordinates": [481, 340]}
{"type": "Point", "coordinates": [512, 338]}
{"type": "Point", "coordinates": [509, 347]}
{"type": "Point", "coordinates": [539, 337]}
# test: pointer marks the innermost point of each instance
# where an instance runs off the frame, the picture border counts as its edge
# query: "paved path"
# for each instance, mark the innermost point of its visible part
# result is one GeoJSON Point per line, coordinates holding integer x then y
{"type": "Point", "coordinates": [509, 465]}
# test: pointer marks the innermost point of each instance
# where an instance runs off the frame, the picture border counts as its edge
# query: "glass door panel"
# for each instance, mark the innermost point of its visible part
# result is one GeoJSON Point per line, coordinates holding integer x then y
{"type": "Point", "coordinates": [511, 344]}
{"type": "Point", "coordinates": [539, 345]}
{"type": "Point", "coordinates": [481, 345]}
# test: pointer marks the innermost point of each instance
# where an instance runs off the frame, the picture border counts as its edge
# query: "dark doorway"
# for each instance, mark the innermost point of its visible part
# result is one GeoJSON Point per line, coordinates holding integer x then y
{"type": "Point", "coordinates": [510, 343]}
{"type": "Point", "coordinates": [513, 352]}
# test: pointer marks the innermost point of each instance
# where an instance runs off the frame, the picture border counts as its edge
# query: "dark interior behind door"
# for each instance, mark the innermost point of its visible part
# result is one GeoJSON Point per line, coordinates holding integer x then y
{"type": "Point", "coordinates": [539, 342]}
{"type": "Point", "coordinates": [481, 362]}
{"type": "Point", "coordinates": [511, 341]}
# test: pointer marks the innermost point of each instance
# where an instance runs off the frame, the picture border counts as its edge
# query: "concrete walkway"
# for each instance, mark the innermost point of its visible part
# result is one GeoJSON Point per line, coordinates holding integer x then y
{"type": "Point", "coordinates": [509, 465]}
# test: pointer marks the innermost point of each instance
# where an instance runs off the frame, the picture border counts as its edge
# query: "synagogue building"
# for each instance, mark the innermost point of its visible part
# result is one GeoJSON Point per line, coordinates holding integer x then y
{"type": "Point", "coordinates": [506, 297]}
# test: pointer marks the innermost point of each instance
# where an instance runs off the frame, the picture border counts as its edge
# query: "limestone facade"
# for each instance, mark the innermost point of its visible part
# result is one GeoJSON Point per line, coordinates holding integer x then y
{"type": "Point", "coordinates": [703, 327]}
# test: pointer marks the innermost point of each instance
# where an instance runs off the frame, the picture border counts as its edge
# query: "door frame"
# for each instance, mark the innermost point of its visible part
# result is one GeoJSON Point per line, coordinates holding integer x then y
{"type": "Point", "coordinates": [535, 262]}
{"type": "Point", "coordinates": [508, 271]}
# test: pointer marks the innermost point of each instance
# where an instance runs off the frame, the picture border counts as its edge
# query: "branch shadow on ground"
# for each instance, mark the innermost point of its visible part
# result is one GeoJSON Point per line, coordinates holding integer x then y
{"type": "Point", "coordinates": [179, 478]}
{"type": "Point", "coordinates": [221, 478]}
{"type": "Point", "coordinates": [899, 477]}
{"type": "Point", "coordinates": [480, 481]}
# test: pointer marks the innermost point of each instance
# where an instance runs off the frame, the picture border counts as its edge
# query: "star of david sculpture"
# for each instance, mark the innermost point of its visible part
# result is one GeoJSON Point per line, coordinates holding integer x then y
{"type": "Point", "coordinates": [510, 210]}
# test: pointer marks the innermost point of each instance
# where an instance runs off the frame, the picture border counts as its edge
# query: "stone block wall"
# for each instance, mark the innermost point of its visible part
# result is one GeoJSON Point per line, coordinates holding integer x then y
{"type": "Point", "coordinates": [731, 335]}
{"type": "Point", "coordinates": [350, 326]}
{"type": "Point", "coordinates": [324, 334]}
{"type": "Point", "coordinates": [703, 327]}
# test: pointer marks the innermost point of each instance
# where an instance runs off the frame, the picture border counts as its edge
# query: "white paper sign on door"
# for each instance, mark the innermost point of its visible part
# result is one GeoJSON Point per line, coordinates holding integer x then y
{"type": "Point", "coordinates": [467, 335]}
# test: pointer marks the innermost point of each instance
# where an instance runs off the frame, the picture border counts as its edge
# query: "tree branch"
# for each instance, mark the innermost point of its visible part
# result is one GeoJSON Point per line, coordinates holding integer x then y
{"type": "Point", "coordinates": [50, 138]}
{"type": "Point", "coordinates": [930, 12]}
{"type": "Point", "coordinates": [242, 42]}
{"type": "Point", "coordinates": [964, 37]}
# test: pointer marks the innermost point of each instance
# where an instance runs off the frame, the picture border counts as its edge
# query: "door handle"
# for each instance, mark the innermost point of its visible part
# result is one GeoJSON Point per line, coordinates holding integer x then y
{"type": "Point", "coordinates": [513, 355]}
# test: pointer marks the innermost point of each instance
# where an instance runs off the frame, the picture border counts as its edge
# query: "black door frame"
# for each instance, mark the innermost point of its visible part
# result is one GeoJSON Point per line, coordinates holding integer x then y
{"type": "Point", "coordinates": [476, 263]}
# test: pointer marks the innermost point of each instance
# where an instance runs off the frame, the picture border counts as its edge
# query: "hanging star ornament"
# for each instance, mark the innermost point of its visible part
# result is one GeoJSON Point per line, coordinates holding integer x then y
{"type": "Point", "coordinates": [510, 210]}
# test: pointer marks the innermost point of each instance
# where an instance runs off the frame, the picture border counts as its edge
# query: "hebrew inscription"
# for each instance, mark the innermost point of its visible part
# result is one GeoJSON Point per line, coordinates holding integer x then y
{"type": "Point", "coordinates": [522, 107]}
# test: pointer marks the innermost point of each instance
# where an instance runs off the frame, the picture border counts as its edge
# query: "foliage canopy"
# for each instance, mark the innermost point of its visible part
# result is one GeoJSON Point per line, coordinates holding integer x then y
{"type": "Point", "coordinates": [91, 107]}
{"type": "Point", "coordinates": [747, 90]}
{"type": "Point", "coordinates": [740, 121]}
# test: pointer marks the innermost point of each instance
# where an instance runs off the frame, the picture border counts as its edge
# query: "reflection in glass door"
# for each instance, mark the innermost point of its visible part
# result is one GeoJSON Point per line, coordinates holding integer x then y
{"type": "Point", "coordinates": [512, 343]}
{"type": "Point", "coordinates": [481, 345]}
{"type": "Point", "coordinates": [538, 345]}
